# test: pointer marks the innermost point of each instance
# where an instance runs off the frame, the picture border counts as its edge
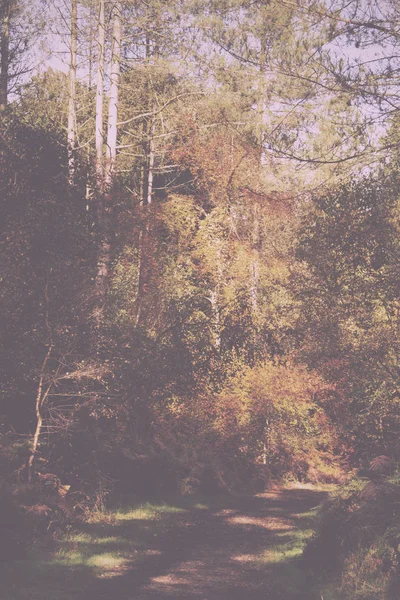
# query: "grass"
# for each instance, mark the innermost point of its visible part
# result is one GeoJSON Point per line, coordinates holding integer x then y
{"type": "Point", "coordinates": [282, 558]}
{"type": "Point", "coordinates": [148, 512]}
{"type": "Point", "coordinates": [80, 556]}
{"type": "Point", "coordinates": [103, 547]}
{"type": "Point", "coordinates": [107, 546]}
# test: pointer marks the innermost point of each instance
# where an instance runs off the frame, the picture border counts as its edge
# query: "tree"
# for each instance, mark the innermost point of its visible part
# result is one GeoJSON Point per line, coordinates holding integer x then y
{"type": "Point", "coordinates": [349, 310]}
{"type": "Point", "coordinates": [71, 134]}
{"type": "Point", "coordinates": [99, 131]}
{"type": "Point", "coordinates": [111, 150]}
{"type": "Point", "coordinates": [42, 235]}
{"type": "Point", "coordinates": [5, 54]}
{"type": "Point", "coordinates": [326, 98]}
{"type": "Point", "coordinates": [270, 414]}
{"type": "Point", "coordinates": [155, 223]}
{"type": "Point", "coordinates": [21, 27]}
{"type": "Point", "coordinates": [354, 66]}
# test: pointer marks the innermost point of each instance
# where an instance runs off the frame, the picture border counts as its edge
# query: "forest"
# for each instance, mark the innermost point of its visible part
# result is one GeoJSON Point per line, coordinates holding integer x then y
{"type": "Point", "coordinates": [199, 297]}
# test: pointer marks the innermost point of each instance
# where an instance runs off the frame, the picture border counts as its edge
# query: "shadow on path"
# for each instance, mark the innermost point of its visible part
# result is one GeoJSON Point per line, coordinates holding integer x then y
{"type": "Point", "coordinates": [243, 549]}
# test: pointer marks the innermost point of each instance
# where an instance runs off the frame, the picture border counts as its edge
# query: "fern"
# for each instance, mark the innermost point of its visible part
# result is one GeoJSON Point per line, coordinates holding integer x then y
{"type": "Point", "coordinates": [382, 465]}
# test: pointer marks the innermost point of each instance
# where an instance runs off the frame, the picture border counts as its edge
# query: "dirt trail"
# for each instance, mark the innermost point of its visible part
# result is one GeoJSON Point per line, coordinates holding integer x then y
{"type": "Point", "coordinates": [244, 549]}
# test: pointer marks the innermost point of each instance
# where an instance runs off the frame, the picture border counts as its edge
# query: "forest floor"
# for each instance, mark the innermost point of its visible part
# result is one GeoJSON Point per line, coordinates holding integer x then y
{"type": "Point", "coordinates": [231, 548]}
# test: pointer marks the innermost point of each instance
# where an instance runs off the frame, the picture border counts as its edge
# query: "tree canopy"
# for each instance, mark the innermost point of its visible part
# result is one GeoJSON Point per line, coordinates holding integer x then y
{"type": "Point", "coordinates": [200, 242]}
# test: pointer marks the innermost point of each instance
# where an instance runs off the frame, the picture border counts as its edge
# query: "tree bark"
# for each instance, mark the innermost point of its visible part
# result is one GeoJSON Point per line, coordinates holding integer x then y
{"type": "Point", "coordinates": [90, 57]}
{"type": "Point", "coordinates": [147, 198]}
{"type": "Point", "coordinates": [112, 129]}
{"type": "Point", "coordinates": [103, 256]}
{"type": "Point", "coordinates": [72, 93]}
{"type": "Point", "coordinates": [99, 97]}
{"type": "Point", "coordinates": [5, 54]}
{"type": "Point", "coordinates": [261, 104]}
{"type": "Point", "coordinates": [146, 191]}
{"type": "Point", "coordinates": [143, 235]}
{"type": "Point", "coordinates": [255, 260]}
{"type": "Point", "coordinates": [150, 163]}
{"type": "Point", "coordinates": [215, 298]}
{"type": "Point", "coordinates": [105, 171]}
{"type": "Point", "coordinates": [42, 391]}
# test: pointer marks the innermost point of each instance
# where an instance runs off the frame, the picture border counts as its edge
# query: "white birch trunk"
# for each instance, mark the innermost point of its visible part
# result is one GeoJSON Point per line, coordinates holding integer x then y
{"type": "Point", "coordinates": [99, 97]}
{"type": "Point", "coordinates": [5, 54]}
{"type": "Point", "coordinates": [112, 129]}
{"type": "Point", "coordinates": [104, 179]}
{"type": "Point", "coordinates": [261, 102]}
{"type": "Point", "coordinates": [104, 248]}
{"type": "Point", "coordinates": [71, 131]}
{"type": "Point", "coordinates": [42, 393]}
{"type": "Point", "coordinates": [215, 300]}
{"type": "Point", "coordinates": [146, 192]}
{"type": "Point", "coordinates": [255, 260]}
{"type": "Point", "coordinates": [150, 172]}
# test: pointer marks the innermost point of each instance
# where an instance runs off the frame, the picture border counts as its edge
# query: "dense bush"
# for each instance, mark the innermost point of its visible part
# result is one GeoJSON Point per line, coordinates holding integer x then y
{"type": "Point", "coordinates": [273, 414]}
{"type": "Point", "coordinates": [357, 542]}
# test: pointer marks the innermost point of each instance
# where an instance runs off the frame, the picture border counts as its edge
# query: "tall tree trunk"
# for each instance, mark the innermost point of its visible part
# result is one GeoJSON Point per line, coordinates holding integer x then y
{"type": "Point", "coordinates": [141, 280]}
{"type": "Point", "coordinates": [5, 54]}
{"type": "Point", "coordinates": [146, 190]}
{"type": "Point", "coordinates": [105, 171]}
{"type": "Point", "coordinates": [150, 162]}
{"type": "Point", "coordinates": [42, 390]}
{"type": "Point", "coordinates": [215, 298]}
{"type": "Point", "coordinates": [90, 57]}
{"type": "Point", "coordinates": [255, 260]}
{"type": "Point", "coordinates": [103, 255]}
{"type": "Point", "coordinates": [147, 197]}
{"type": "Point", "coordinates": [261, 103]}
{"type": "Point", "coordinates": [261, 117]}
{"type": "Point", "coordinates": [99, 97]}
{"type": "Point", "coordinates": [112, 129]}
{"type": "Point", "coordinates": [72, 93]}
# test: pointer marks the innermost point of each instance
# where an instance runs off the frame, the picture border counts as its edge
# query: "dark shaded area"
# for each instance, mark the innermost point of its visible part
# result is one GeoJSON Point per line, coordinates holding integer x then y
{"type": "Point", "coordinates": [356, 542]}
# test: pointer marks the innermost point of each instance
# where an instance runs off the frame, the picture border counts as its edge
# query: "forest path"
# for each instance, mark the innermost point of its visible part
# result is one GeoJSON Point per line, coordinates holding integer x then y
{"type": "Point", "coordinates": [230, 548]}
{"type": "Point", "coordinates": [244, 548]}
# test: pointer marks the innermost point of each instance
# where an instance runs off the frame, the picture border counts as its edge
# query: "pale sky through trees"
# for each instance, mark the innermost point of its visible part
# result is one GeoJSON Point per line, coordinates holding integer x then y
{"type": "Point", "coordinates": [57, 57]}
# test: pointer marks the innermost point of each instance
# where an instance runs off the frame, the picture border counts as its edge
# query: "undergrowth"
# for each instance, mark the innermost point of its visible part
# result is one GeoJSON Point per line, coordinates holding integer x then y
{"type": "Point", "coordinates": [357, 544]}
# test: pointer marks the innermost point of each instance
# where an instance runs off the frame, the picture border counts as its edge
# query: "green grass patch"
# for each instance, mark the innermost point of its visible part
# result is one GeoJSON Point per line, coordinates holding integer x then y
{"type": "Point", "coordinates": [104, 546]}
{"type": "Point", "coordinates": [287, 545]}
{"type": "Point", "coordinates": [281, 558]}
{"type": "Point", "coordinates": [147, 512]}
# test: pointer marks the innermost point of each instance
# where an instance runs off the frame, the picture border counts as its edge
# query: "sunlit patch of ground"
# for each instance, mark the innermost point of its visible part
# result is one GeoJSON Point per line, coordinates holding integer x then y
{"type": "Point", "coordinates": [232, 548]}
{"type": "Point", "coordinates": [147, 512]}
{"type": "Point", "coordinates": [245, 558]}
{"type": "Point", "coordinates": [272, 523]}
{"type": "Point", "coordinates": [106, 549]}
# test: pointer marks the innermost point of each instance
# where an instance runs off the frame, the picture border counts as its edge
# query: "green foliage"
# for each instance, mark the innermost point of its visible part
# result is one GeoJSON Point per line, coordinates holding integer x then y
{"type": "Point", "coordinates": [349, 315]}
{"type": "Point", "coordinates": [220, 289]}
{"type": "Point", "coordinates": [43, 234]}
{"type": "Point", "coordinates": [357, 542]}
{"type": "Point", "coordinates": [248, 330]}
{"type": "Point", "coordinates": [271, 414]}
